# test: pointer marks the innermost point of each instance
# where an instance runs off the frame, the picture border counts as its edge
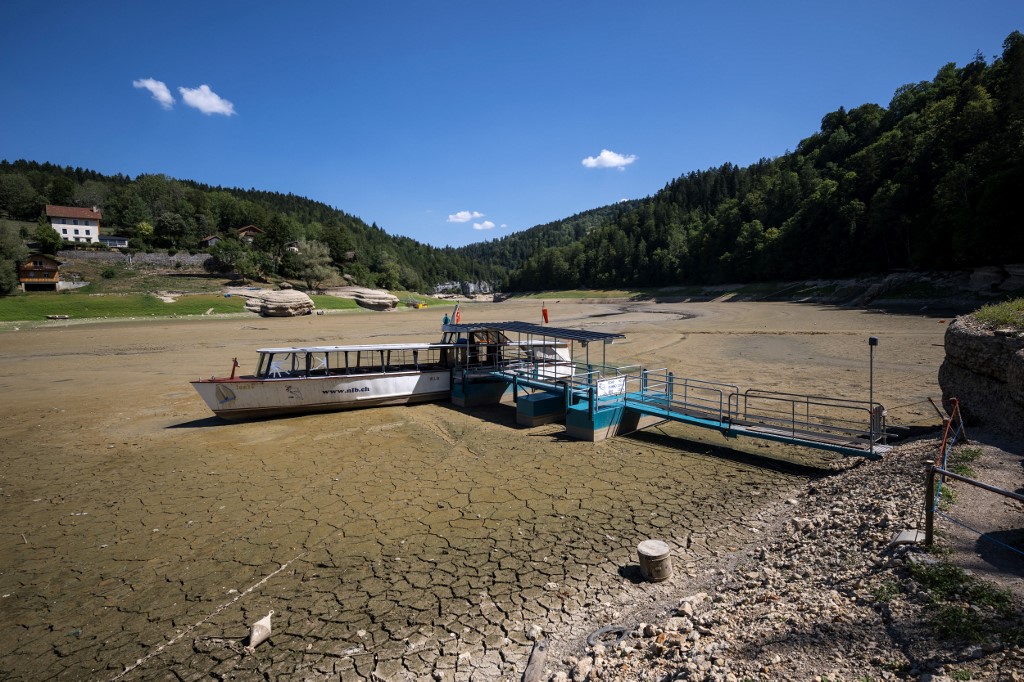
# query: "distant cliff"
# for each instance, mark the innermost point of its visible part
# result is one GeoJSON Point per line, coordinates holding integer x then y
{"type": "Point", "coordinates": [984, 370]}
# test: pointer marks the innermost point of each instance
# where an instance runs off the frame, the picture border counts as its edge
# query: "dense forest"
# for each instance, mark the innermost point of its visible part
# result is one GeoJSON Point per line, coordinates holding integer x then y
{"type": "Point", "coordinates": [155, 211]}
{"type": "Point", "coordinates": [930, 182]}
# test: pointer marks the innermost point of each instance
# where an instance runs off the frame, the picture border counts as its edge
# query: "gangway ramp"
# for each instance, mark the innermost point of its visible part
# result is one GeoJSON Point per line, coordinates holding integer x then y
{"type": "Point", "coordinates": [597, 399]}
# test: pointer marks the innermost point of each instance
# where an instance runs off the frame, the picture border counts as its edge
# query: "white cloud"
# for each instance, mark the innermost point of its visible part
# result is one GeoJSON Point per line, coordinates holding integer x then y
{"type": "Point", "coordinates": [485, 225]}
{"type": "Point", "coordinates": [158, 89]}
{"type": "Point", "coordinates": [609, 159]}
{"type": "Point", "coordinates": [206, 100]}
{"type": "Point", "coordinates": [504, 225]}
{"type": "Point", "coordinates": [464, 216]}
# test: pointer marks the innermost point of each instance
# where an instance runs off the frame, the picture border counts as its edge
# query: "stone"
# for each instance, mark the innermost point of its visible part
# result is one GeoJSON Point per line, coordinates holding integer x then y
{"type": "Point", "coordinates": [288, 303]}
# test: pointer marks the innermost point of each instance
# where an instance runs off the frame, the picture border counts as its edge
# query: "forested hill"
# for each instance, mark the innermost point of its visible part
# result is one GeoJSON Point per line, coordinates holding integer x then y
{"type": "Point", "coordinates": [931, 182]}
{"type": "Point", "coordinates": [161, 212]}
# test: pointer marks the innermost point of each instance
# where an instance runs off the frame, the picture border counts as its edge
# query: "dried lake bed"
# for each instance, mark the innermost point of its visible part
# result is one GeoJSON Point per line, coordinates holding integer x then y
{"type": "Point", "coordinates": [140, 535]}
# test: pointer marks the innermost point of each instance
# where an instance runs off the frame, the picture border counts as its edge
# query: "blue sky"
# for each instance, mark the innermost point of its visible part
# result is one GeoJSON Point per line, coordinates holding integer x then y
{"type": "Point", "coordinates": [457, 122]}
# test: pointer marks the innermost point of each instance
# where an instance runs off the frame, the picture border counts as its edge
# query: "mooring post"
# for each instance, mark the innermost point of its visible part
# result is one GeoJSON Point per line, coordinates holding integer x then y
{"type": "Point", "coordinates": [929, 505]}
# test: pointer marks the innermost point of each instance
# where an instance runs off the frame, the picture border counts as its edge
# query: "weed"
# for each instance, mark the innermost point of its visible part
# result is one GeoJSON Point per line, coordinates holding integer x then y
{"type": "Point", "coordinates": [961, 675]}
{"type": "Point", "coordinates": [962, 607]}
{"type": "Point", "coordinates": [885, 592]}
{"type": "Point", "coordinates": [1001, 315]}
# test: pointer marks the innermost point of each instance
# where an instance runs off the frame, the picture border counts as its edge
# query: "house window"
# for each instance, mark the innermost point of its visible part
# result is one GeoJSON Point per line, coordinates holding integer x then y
{"type": "Point", "coordinates": [87, 233]}
{"type": "Point", "coordinates": [76, 232]}
{"type": "Point", "coordinates": [64, 230]}
{"type": "Point", "coordinates": [75, 222]}
{"type": "Point", "coordinates": [37, 263]}
{"type": "Point", "coordinates": [63, 221]}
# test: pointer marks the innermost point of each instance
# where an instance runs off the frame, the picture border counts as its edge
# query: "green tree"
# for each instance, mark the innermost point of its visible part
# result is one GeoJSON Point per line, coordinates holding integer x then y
{"type": "Point", "coordinates": [12, 252]}
{"type": "Point", "coordinates": [49, 241]}
{"type": "Point", "coordinates": [173, 231]}
{"type": "Point", "coordinates": [311, 263]}
{"type": "Point", "coordinates": [18, 198]}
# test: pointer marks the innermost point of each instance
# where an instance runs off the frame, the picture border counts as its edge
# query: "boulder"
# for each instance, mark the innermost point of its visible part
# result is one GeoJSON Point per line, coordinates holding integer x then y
{"type": "Point", "coordinates": [288, 303]}
{"type": "Point", "coordinates": [984, 371]}
{"type": "Point", "coordinates": [373, 299]}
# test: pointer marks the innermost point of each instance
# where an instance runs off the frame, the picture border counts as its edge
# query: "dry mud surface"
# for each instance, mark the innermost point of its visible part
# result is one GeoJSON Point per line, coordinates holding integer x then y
{"type": "Point", "coordinates": [139, 535]}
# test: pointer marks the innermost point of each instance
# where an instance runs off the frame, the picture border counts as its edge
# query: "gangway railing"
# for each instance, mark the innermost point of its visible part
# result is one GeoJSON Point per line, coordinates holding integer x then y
{"type": "Point", "coordinates": [838, 424]}
{"type": "Point", "coordinates": [836, 420]}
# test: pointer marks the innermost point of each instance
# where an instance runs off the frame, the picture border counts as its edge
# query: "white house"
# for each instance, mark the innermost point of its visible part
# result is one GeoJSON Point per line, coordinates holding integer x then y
{"type": "Point", "coordinates": [75, 224]}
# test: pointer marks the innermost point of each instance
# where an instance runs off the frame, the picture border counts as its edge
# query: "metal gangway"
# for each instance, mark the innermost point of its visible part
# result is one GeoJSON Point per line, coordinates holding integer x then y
{"type": "Point", "coordinates": [849, 427]}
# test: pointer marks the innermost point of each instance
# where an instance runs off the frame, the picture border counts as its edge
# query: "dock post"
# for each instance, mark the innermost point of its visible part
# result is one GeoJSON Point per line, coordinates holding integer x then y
{"type": "Point", "coordinates": [643, 383]}
{"type": "Point", "coordinates": [929, 506]}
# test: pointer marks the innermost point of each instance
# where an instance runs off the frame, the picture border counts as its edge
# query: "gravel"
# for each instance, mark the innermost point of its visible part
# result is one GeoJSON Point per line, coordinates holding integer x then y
{"type": "Point", "coordinates": [826, 595]}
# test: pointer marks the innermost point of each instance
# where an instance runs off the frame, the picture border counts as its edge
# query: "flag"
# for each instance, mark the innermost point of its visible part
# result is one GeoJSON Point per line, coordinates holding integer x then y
{"type": "Point", "coordinates": [544, 312]}
{"type": "Point", "coordinates": [456, 315]}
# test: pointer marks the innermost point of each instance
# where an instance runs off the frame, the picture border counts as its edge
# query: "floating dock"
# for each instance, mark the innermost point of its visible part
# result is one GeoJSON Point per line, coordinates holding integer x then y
{"type": "Point", "coordinates": [597, 400]}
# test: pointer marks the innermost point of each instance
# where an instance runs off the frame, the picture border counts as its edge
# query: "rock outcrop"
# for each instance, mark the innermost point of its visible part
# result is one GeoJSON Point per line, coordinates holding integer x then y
{"type": "Point", "coordinates": [289, 303]}
{"type": "Point", "coordinates": [984, 370]}
{"type": "Point", "coordinates": [373, 299]}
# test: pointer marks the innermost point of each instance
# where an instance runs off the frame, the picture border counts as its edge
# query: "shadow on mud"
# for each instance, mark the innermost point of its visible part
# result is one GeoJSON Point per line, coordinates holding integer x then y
{"type": "Point", "coordinates": [204, 423]}
{"type": "Point", "coordinates": [817, 466]}
{"type": "Point", "coordinates": [1003, 550]}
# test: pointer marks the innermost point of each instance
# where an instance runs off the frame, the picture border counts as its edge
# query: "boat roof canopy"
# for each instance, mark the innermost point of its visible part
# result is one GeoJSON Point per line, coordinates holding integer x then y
{"type": "Point", "coordinates": [367, 347]}
{"type": "Point", "coordinates": [581, 335]}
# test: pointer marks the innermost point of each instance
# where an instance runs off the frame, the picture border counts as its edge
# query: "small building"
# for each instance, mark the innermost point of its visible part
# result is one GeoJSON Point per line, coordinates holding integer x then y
{"type": "Point", "coordinates": [209, 240]}
{"type": "Point", "coordinates": [248, 233]}
{"type": "Point", "coordinates": [75, 224]}
{"type": "Point", "coordinates": [39, 272]}
{"type": "Point", "coordinates": [114, 241]}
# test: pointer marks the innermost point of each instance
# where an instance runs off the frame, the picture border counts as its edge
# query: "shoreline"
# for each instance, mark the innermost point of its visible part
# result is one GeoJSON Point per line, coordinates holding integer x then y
{"type": "Point", "coordinates": [826, 593]}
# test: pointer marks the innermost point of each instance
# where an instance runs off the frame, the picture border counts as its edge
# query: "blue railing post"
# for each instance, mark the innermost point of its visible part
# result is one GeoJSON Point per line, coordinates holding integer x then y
{"type": "Point", "coordinates": [669, 389]}
{"type": "Point", "coordinates": [592, 395]}
{"type": "Point", "coordinates": [643, 383]}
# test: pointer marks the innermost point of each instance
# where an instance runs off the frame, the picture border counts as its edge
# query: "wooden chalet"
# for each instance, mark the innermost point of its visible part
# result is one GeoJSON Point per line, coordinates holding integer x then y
{"type": "Point", "coordinates": [39, 272]}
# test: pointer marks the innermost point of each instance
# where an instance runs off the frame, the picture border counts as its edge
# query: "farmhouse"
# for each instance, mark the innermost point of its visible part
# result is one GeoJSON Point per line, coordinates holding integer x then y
{"type": "Point", "coordinates": [39, 272]}
{"type": "Point", "coordinates": [75, 224]}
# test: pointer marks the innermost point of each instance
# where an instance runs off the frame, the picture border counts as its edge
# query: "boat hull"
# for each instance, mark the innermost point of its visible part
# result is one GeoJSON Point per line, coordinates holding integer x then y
{"type": "Point", "coordinates": [254, 398]}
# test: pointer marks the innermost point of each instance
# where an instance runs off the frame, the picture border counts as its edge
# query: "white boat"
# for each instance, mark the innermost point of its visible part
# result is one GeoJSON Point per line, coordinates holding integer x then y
{"type": "Point", "coordinates": [329, 378]}
{"type": "Point", "coordinates": [306, 379]}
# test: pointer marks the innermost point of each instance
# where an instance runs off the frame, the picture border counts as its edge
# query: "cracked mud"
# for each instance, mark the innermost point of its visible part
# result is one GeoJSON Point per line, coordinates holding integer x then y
{"type": "Point", "coordinates": [140, 536]}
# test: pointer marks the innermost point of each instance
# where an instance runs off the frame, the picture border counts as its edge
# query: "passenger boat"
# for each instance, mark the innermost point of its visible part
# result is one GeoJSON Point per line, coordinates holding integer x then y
{"type": "Point", "coordinates": [329, 378]}
{"type": "Point", "coordinates": [308, 379]}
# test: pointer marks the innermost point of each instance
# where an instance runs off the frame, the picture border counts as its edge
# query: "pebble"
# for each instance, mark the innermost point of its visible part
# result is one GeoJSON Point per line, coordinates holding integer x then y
{"type": "Point", "coordinates": [806, 605]}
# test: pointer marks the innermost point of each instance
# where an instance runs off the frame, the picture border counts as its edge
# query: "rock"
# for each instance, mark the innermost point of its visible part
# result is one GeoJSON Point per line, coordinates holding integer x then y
{"type": "Point", "coordinates": [984, 371]}
{"type": "Point", "coordinates": [372, 299]}
{"type": "Point", "coordinates": [279, 303]}
{"type": "Point", "coordinates": [582, 669]}
{"type": "Point", "coordinates": [986, 279]}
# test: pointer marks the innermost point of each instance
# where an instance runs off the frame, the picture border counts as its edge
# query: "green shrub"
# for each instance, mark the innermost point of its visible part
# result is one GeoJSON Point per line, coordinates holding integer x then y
{"type": "Point", "coordinates": [1001, 315]}
{"type": "Point", "coordinates": [109, 272]}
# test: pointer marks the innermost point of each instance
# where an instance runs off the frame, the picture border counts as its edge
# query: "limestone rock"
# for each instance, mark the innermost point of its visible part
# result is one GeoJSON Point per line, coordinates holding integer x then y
{"type": "Point", "coordinates": [984, 370]}
{"type": "Point", "coordinates": [373, 299]}
{"type": "Point", "coordinates": [289, 303]}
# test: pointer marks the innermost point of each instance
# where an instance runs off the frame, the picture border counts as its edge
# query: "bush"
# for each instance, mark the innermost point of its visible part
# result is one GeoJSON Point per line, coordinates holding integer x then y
{"type": "Point", "coordinates": [109, 272]}
{"type": "Point", "coordinates": [1006, 314]}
